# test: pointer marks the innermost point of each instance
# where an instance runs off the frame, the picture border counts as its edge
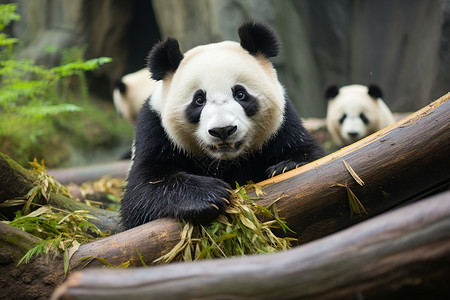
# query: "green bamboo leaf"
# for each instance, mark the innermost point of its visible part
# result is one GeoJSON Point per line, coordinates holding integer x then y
{"type": "Point", "coordinates": [247, 222]}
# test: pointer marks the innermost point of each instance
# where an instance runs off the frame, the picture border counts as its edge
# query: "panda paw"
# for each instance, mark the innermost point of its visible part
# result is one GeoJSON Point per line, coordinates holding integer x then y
{"type": "Point", "coordinates": [204, 201]}
{"type": "Point", "coordinates": [282, 167]}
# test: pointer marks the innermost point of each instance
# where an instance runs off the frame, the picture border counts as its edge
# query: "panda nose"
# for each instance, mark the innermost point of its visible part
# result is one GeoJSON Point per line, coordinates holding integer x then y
{"type": "Point", "coordinates": [222, 132]}
{"type": "Point", "coordinates": [352, 134]}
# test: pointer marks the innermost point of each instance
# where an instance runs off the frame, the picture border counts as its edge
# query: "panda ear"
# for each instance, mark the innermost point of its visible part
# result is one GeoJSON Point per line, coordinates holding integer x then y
{"type": "Point", "coordinates": [375, 91]}
{"type": "Point", "coordinates": [331, 92]}
{"type": "Point", "coordinates": [164, 58]}
{"type": "Point", "coordinates": [259, 38]}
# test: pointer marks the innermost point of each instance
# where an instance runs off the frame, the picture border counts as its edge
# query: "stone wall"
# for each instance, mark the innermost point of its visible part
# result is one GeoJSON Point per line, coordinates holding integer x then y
{"type": "Point", "coordinates": [403, 45]}
{"type": "Point", "coordinates": [394, 44]}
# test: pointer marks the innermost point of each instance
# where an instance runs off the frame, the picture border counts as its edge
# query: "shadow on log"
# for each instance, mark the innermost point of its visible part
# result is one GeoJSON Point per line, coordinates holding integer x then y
{"type": "Point", "coordinates": [401, 253]}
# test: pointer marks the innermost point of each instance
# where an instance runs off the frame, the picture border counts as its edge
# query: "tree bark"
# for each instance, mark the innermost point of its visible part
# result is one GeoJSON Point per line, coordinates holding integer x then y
{"type": "Point", "coordinates": [403, 253]}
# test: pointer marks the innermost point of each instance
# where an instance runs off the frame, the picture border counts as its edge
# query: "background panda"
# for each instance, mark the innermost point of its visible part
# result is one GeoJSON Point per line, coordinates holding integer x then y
{"type": "Point", "coordinates": [218, 116]}
{"type": "Point", "coordinates": [355, 111]}
{"type": "Point", "coordinates": [130, 93]}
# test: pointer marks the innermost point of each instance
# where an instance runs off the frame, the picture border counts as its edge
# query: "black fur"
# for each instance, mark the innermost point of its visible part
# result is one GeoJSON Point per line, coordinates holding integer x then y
{"type": "Point", "coordinates": [375, 91]}
{"type": "Point", "coordinates": [165, 182]}
{"type": "Point", "coordinates": [364, 118]}
{"type": "Point", "coordinates": [331, 92]}
{"type": "Point", "coordinates": [118, 84]}
{"type": "Point", "coordinates": [259, 38]}
{"type": "Point", "coordinates": [164, 58]}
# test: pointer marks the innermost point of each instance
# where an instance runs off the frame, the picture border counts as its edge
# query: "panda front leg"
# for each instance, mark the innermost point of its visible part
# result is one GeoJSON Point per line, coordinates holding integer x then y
{"type": "Point", "coordinates": [282, 167]}
{"type": "Point", "coordinates": [184, 196]}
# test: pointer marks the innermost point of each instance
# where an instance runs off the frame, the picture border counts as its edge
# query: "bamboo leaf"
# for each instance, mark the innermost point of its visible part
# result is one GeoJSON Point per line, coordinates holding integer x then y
{"type": "Point", "coordinates": [141, 258]}
{"type": "Point", "coordinates": [247, 222]}
{"type": "Point", "coordinates": [11, 203]}
{"type": "Point", "coordinates": [353, 173]}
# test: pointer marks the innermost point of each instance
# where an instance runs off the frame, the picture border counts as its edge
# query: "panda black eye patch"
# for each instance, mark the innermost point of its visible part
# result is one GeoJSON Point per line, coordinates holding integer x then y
{"type": "Point", "coordinates": [364, 118]}
{"type": "Point", "coordinates": [194, 109]}
{"type": "Point", "coordinates": [246, 100]}
{"type": "Point", "coordinates": [341, 120]}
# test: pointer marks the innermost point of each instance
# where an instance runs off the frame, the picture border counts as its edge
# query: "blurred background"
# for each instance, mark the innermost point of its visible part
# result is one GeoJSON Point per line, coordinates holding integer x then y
{"type": "Point", "coordinates": [403, 46]}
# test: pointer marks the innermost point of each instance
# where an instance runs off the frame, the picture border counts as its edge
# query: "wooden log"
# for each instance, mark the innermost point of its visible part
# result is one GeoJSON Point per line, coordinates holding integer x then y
{"type": "Point", "coordinates": [150, 240]}
{"type": "Point", "coordinates": [15, 181]}
{"type": "Point", "coordinates": [107, 220]}
{"type": "Point", "coordinates": [400, 163]}
{"type": "Point", "coordinates": [15, 242]}
{"type": "Point", "coordinates": [401, 252]}
{"type": "Point", "coordinates": [80, 175]}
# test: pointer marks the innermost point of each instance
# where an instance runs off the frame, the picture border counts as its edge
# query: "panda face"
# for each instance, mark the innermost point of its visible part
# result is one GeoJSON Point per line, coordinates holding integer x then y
{"type": "Point", "coordinates": [224, 124]}
{"type": "Point", "coordinates": [352, 114]}
{"type": "Point", "coordinates": [221, 101]}
{"type": "Point", "coordinates": [354, 124]}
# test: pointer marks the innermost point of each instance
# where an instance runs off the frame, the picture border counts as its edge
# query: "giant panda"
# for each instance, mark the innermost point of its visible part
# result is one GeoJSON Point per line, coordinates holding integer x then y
{"type": "Point", "coordinates": [355, 111]}
{"type": "Point", "coordinates": [130, 93]}
{"type": "Point", "coordinates": [218, 116]}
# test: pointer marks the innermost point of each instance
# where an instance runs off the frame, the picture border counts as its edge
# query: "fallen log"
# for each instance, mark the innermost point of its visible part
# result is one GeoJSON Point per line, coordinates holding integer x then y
{"type": "Point", "coordinates": [404, 253]}
{"type": "Point", "coordinates": [15, 241]}
{"type": "Point", "coordinates": [15, 181]}
{"type": "Point", "coordinates": [149, 241]}
{"type": "Point", "coordinates": [400, 163]}
{"type": "Point", "coordinates": [397, 164]}
{"type": "Point", "coordinates": [80, 175]}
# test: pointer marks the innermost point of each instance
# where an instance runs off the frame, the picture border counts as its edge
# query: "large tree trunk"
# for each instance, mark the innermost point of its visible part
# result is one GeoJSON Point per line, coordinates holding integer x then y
{"type": "Point", "coordinates": [404, 253]}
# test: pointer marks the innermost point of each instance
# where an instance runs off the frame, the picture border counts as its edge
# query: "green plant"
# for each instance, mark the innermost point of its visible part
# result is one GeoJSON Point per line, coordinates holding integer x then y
{"type": "Point", "coordinates": [60, 230]}
{"type": "Point", "coordinates": [34, 101]}
{"type": "Point", "coordinates": [245, 229]}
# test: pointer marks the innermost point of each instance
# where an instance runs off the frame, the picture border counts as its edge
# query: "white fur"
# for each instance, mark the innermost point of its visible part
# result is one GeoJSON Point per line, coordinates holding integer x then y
{"type": "Point", "coordinates": [216, 68]}
{"type": "Point", "coordinates": [353, 100]}
{"type": "Point", "coordinates": [139, 86]}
